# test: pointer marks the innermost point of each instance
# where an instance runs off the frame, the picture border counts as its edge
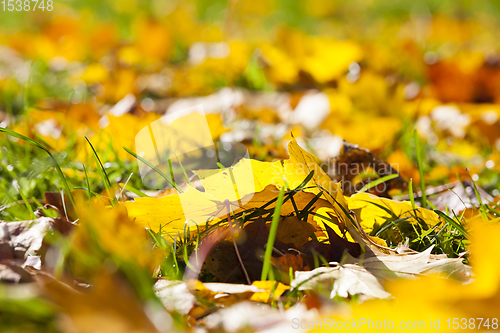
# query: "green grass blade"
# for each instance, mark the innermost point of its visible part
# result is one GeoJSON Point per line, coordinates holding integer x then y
{"type": "Point", "coordinates": [418, 150]}
{"type": "Point", "coordinates": [158, 171]}
{"type": "Point", "coordinates": [26, 107]}
{"type": "Point", "coordinates": [87, 180]}
{"type": "Point", "coordinates": [132, 189]}
{"type": "Point", "coordinates": [493, 210]}
{"type": "Point", "coordinates": [272, 236]}
{"type": "Point", "coordinates": [304, 182]}
{"type": "Point", "coordinates": [309, 205]}
{"type": "Point", "coordinates": [42, 147]}
{"type": "Point", "coordinates": [104, 175]}
{"type": "Point", "coordinates": [386, 225]}
{"type": "Point", "coordinates": [377, 181]}
{"type": "Point", "coordinates": [481, 205]}
{"type": "Point", "coordinates": [26, 202]}
{"type": "Point", "coordinates": [412, 197]}
{"type": "Point", "coordinates": [431, 205]}
{"type": "Point", "coordinates": [184, 170]}
{"type": "Point", "coordinates": [454, 223]}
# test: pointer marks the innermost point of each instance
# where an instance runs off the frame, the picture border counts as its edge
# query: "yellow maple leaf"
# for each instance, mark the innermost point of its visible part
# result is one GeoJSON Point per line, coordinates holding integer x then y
{"type": "Point", "coordinates": [367, 210]}
{"type": "Point", "coordinates": [170, 213]}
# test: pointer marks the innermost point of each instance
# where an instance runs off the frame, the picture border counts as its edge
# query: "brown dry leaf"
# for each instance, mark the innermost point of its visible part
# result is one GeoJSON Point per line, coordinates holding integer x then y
{"type": "Point", "coordinates": [22, 238]}
{"type": "Point", "coordinates": [293, 231]}
{"type": "Point", "coordinates": [11, 271]}
{"type": "Point", "coordinates": [354, 162]}
{"type": "Point", "coordinates": [223, 262]}
{"type": "Point", "coordinates": [297, 262]}
{"type": "Point", "coordinates": [22, 244]}
{"type": "Point", "coordinates": [450, 83]}
{"type": "Point", "coordinates": [55, 199]}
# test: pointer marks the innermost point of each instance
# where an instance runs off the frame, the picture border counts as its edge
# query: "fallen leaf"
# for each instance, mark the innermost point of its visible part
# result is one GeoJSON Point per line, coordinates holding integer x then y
{"type": "Point", "coordinates": [371, 210]}
{"type": "Point", "coordinates": [354, 162]}
{"type": "Point", "coordinates": [110, 306]}
{"type": "Point", "coordinates": [293, 231]}
{"type": "Point", "coordinates": [300, 164]}
{"type": "Point", "coordinates": [223, 262]}
{"type": "Point", "coordinates": [296, 262]}
{"type": "Point", "coordinates": [20, 239]}
{"type": "Point", "coordinates": [11, 271]}
{"type": "Point", "coordinates": [369, 279]}
{"type": "Point", "coordinates": [171, 212]}
{"type": "Point", "coordinates": [274, 288]}
{"type": "Point", "coordinates": [175, 296]}
{"type": "Point", "coordinates": [240, 317]}
{"type": "Point", "coordinates": [344, 281]}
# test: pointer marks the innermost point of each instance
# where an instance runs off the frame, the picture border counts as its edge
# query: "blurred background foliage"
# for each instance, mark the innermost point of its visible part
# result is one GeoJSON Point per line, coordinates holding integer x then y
{"type": "Point", "coordinates": [381, 67]}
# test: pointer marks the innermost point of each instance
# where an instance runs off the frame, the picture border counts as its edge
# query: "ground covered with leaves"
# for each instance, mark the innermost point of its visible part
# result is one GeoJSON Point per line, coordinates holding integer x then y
{"type": "Point", "coordinates": [249, 166]}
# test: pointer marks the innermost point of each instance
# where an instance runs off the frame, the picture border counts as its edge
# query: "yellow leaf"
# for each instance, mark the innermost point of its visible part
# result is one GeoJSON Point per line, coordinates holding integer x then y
{"type": "Point", "coordinates": [115, 233]}
{"type": "Point", "coordinates": [368, 213]}
{"type": "Point", "coordinates": [268, 286]}
{"type": "Point", "coordinates": [250, 176]}
{"type": "Point", "coordinates": [109, 306]}
{"type": "Point", "coordinates": [219, 183]}
{"type": "Point", "coordinates": [171, 212]}
{"type": "Point", "coordinates": [300, 164]}
{"type": "Point", "coordinates": [247, 185]}
{"type": "Point", "coordinates": [328, 59]}
{"type": "Point", "coordinates": [95, 73]}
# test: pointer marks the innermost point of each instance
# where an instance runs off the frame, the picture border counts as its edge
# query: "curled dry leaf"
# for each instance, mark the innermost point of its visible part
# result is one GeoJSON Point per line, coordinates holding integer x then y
{"type": "Point", "coordinates": [355, 161]}
{"type": "Point", "coordinates": [22, 238]}
{"type": "Point", "coordinates": [368, 280]}
{"type": "Point", "coordinates": [174, 295]}
{"type": "Point", "coordinates": [240, 318]}
{"type": "Point", "coordinates": [22, 244]}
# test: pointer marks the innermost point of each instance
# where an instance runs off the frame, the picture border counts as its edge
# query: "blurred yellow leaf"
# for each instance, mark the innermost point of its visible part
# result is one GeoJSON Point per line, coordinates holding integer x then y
{"type": "Point", "coordinates": [109, 306]}
{"type": "Point", "coordinates": [270, 287]}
